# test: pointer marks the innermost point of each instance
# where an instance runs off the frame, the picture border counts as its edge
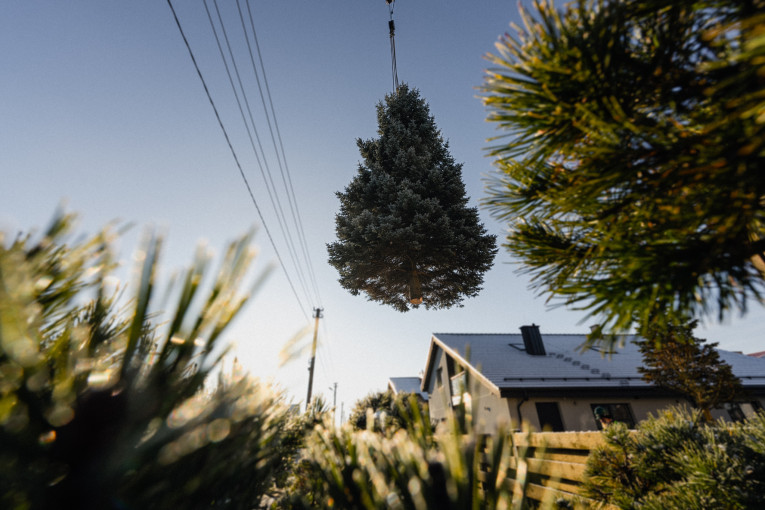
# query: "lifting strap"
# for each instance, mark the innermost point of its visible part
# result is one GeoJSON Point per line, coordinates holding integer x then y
{"type": "Point", "coordinates": [392, 27]}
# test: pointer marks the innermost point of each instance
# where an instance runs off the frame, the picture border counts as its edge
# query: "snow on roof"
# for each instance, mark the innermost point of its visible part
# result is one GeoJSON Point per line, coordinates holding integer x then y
{"type": "Point", "coordinates": [503, 361]}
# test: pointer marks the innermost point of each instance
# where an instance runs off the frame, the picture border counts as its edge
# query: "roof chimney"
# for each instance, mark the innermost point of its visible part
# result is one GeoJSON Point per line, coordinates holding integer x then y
{"type": "Point", "coordinates": [532, 340]}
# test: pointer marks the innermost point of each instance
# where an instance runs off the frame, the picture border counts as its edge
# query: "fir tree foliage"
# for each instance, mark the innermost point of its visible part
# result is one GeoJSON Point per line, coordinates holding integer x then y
{"type": "Point", "coordinates": [389, 412]}
{"type": "Point", "coordinates": [676, 461]}
{"type": "Point", "coordinates": [405, 234]}
{"type": "Point", "coordinates": [677, 360]}
{"type": "Point", "coordinates": [630, 171]}
{"type": "Point", "coordinates": [411, 469]}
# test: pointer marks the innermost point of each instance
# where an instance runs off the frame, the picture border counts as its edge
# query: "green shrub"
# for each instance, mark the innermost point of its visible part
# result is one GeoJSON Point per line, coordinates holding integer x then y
{"type": "Point", "coordinates": [676, 462]}
{"type": "Point", "coordinates": [100, 408]}
{"type": "Point", "coordinates": [389, 412]}
{"type": "Point", "coordinates": [412, 468]}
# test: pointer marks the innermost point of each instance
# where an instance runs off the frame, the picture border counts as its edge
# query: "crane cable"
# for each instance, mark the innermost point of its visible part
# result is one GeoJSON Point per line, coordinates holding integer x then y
{"type": "Point", "coordinates": [392, 28]}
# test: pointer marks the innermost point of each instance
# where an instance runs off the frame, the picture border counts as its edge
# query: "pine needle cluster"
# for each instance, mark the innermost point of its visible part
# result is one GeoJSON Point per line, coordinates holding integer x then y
{"type": "Point", "coordinates": [678, 461]}
{"type": "Point", "coordinates": [630, 171]}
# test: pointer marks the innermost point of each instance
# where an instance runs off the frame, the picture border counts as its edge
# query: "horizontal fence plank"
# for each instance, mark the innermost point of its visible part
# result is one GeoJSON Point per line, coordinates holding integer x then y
{"type": "Point", "coordinates": [566, 477]}
{"type": "Point", "coordinates": [558, 469]}
{"type": "Point", "coordinates": [555, 463]}
{"type": "Point", "coordinates": [561, 455]}
{"type": "Point", "coordinates": [559, 484]}
{"type": "Point", "coordinates": [571, 440]}
{"type": "Point", "coordinates": [552, 483]}
{"type": "Point", "coordinates": [542, 493]}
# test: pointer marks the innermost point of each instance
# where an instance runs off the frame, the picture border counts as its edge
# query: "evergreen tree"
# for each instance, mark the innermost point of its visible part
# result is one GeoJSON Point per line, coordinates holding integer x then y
{"type": "Point", "coordinates": [405, 234]}
{"type": "Point", "coordinates": [678, 361]}
{"type": "Point", "coordinates": [632, 179]}
{"type": "Point", "coordinates": [673, 462]}
{"type": "Point", "coordinates": [392, 412]}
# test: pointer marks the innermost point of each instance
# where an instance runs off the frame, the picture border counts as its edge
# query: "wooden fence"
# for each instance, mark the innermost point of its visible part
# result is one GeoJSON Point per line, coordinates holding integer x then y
{"type": "Point", "coordinates": [554, 463]}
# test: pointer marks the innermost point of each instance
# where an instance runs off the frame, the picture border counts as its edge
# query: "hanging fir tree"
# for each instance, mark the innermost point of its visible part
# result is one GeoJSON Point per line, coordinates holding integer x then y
{"type": "Point", "coordinates": [405, 233]}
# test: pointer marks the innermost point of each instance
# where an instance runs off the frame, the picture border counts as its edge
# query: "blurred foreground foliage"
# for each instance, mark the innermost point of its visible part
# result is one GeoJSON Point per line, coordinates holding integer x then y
{"type": "Point", "coordinates": [106, 403]}
{"type": "Point", "coordinates": [407, 467]}
{"type": "Point", "coordinates": [102, 408]}
{"type": "Point", "coordinates": [678, 461]}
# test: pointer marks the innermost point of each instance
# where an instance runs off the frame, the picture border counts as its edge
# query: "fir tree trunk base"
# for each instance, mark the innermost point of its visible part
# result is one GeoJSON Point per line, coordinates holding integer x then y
{"type": "Point", "coordinates": [759, 263]}
{"type": "Point", "coordinates": [415, 289]}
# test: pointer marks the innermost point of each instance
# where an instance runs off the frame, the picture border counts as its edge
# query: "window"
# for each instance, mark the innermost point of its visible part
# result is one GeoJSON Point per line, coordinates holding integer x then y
{"type": "Point", "coordinates": [465, 399]}
{"type": "Point", "coordinates": [458, 386]}
{"type": "Point", "coordinates": [459, 383]}
{"type": "Point", "coordinates": [750, 408]}
{"type": "Point", "coordinates": [549, 416]}
{"type": "Point", "coordinates": [450, 366]}
{"type": "Point", "coordinates": [735, 412]}
{"type": "Point", "coordinates": [619, 412]}
{"type": "Point", "coordinates": [439, 377]}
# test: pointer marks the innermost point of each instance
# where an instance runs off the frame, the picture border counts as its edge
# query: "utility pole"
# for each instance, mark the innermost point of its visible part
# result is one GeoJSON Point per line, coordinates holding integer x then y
{"type": "Point", "coordinates": [334, 400]}
{"type": "Point", "coordinates": [317, 316]}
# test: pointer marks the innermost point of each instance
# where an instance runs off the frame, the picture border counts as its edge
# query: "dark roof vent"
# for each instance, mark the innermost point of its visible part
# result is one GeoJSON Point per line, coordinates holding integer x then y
{"type": "Point", "coordinates": [532, 340]}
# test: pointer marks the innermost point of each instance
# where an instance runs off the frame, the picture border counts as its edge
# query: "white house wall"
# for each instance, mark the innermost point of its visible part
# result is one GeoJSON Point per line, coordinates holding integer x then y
{"type": "Point", "coordinates": [492, 409]}
{"type": "Point", "coordinates": [577, 414]}
{"type": "Point", "coordinates": [439, 400]}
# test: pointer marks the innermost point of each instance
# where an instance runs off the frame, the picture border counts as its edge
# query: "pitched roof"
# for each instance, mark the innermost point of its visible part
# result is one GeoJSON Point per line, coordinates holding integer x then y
{"type": "Point", "coordinates": [407, 385]}
{"type": "Point", "coordinates": [503, 362]}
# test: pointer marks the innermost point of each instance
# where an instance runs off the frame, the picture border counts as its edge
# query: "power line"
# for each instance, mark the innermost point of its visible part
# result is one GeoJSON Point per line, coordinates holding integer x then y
{"type": "Point", "coordinates": [246, 112]}
{"type": "Point", "coordinates": [284, 169]}
{"type": "Point", "coordinates": [288, 182]}
{"type": "Point", "coordinates": [266, 174]}
{"type": "Point", "coordinates": [233, 153]}
{"type": "Point", "coordinates": [285, 172]}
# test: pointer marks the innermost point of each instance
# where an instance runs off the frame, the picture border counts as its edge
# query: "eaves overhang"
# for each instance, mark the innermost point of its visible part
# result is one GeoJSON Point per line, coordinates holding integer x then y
{"type": "Point", "coordinates": [429, 362]}
{"type": "Point", "coordinates": [610, 391]}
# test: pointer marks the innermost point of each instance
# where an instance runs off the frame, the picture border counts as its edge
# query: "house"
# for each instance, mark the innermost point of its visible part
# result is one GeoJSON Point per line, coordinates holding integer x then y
{"type": "Point", "coordinates": [549, 382]}
{"type": "Point", "coordinates": [398, 385]}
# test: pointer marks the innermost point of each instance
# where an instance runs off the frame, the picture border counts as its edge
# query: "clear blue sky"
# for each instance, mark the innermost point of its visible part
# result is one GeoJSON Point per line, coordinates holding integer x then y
{"type": "Point", "coordinates": [100, 107]}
